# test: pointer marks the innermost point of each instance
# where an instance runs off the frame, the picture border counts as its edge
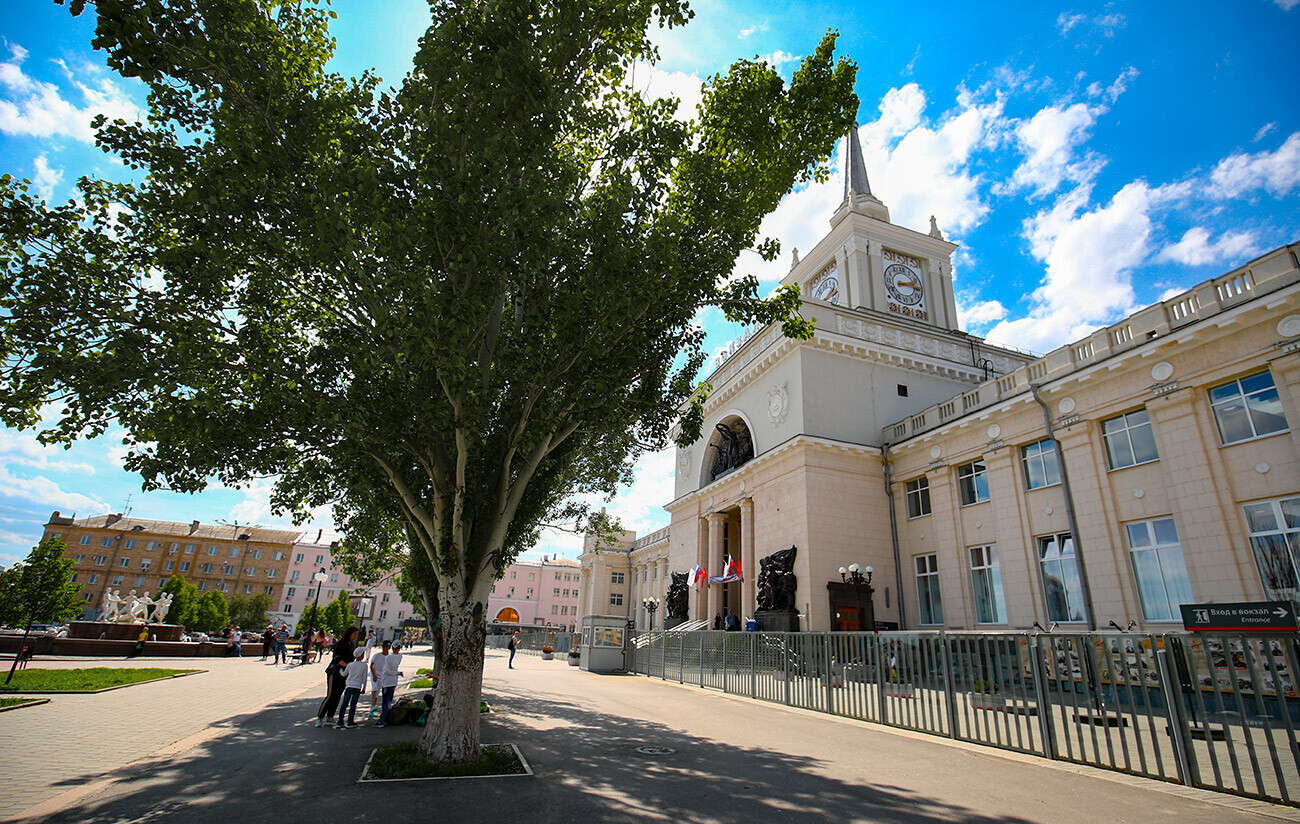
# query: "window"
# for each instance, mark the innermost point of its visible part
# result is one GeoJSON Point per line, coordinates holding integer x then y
{"type": "Point", "coordinates": [293, 576]}
{"type": "Point", "coordinates": [530, 576]}
{"type": "Point", "coordinates": [169, 565]}
{"type": "Point", "coordinates": [268, 590]}
{"type": "Point", "coordinates": [117, 581]}
{"type": "Point", "coordinates": [557, 576]}
{"type": "Point", "coordinates": [616, 577]}
{"type": "Point", "coordinates": [530, 593]}
{"type": "Point", "coordinates": [250, 570]}
{"type": "Point", "coordinates": [918, 497]}
{"type": "Point", "coordinates": [129, 544]}
{"type": "Point", "coordinates": [72, 579]}
{"type": "Point", "coordinates": [257, 554]}
{"type": "Point", "coordinates": [320, 559]}
{"type": "Point", "coordinates": [85, 540]}
{"type": "Point", "coordinates": [510, 593]}
{"type": "Point", "coordinates": [1129, 440]}
{"type": "Point", "coordinates": [139, 580]}
{"type": "Point", "coordinates": [616, 599]}
{"type": "Point", "coordinates": [101, 560]}
{"type": "Point", "coordinates": [93, 578]}
{"type": "Point", "coordinates": [185, 566]}
{"type": "Point", "coordinates": [277, 556]}
{"type": "Point", "coordinates": [203, 586]}
{"type": "Point", "coordinates": [1247, 408]}
{"type": "Point", "coordinates": [1041, 468]}
{"type": "Point", "coordinates": [228, 569]}
{"type": "Point", "coordinates": [174, 550]}
{"type": "Point", "coordinates": [289, 593]}
{"type": "Point", "coordinates": [566, 577]}
{"type": "Point", "coordinates": [385, 599]}
{"type": "Point", "coordinates": [383, 614]}
{"type": "Point", "coordinates": [106, 542]}
{"type": "Point", "coordinates": [124, 561]}
{"type": "Point", "coordinates": [78, 558]}
{"type": "Point", "coordinates": [212, 550]}
{"type": "Point", "coordinates": [986, 579]}
{"type": "Point", "coordinates": [1274, 528]}
{"type": "Point", "coordinates": [270, 573]}
{"type": "Point", "coordinates": [297, 559]}
{"type": "Point", "coordinates": [1062, 587]}
{"type": "Point", "coordinates": [288, 607]}
{"type": "Point", "coordinates": [1161, 573]}
{"type": "Point", "coordinates": [234, 552]}
{"type": "Point", "coordinates": [512, 573]}
{"type": "Point", "coordinates": [206, 567]}
{"type": "Point", "coordinates": [151, 546]}
{"type": "Point", "coordinates": [902, 390]}
{"type": "Point", "coordinates": [145, 563]}
{"type": "Point", "coordinates": [555, 608]}
{"type": "Point", "coordinates": [557, 592]}
{"type": "Point", "coordinates": [248, 589]}
{"type": "Point", "coordinates": [927, 589]}
{"type": "Point", "coordinates": [973, 482]}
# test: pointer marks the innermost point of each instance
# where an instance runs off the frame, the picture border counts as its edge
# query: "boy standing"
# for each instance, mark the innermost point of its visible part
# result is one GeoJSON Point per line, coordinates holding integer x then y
{"type": "Point", "coordinates": [377, 665]}
{"type": "Point", "coordinates": [354, 682]}
{"type": "Point", "coordinates": [388, 680]}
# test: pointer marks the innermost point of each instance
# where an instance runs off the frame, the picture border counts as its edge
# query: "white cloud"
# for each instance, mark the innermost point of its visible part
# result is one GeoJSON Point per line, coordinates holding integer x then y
{"type": "Point", "coordinates": [1049, 140]}
{"type": "Point", "coordinates": [1089, 256]}
{"type": "Point", "coordinates": [1104, 24]}
{"type": "Point", "coordinates": [48, 493]}
{"type": "Point", "coordinates": [654, 83]}
{"type": "Point", "coordinates": [779, 58]}
{"type": "Point", "coordinates": [1278, 171]}
{"type": "Point", "coordinates": [1066, 21]}
{"type": "Point", "coordinates": [22, 449]}
{"type": "Point", "coordinates": [1267, 128]}
{"type": "Point", "coordinates": [1196, 249]}
{"type": "Point", "coordinates": [46, 178]}
{"type": "Point", "coordinates": [748, 31]}
{"type": "Point", "coordinates": [1286, 5]}
{"type": "Point", "coordinates": [973, 313]}
{"type": "Point", "coordinates": [35, 108]}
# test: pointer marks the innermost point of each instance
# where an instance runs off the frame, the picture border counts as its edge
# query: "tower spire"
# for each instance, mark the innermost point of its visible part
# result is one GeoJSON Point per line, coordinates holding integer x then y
{"type": "Point", "coordinates": [855, 168]}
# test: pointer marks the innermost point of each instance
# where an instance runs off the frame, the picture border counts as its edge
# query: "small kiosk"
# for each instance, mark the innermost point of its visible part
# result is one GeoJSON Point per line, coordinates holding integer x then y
{"type": "Point", "coordinates": [603, 640]}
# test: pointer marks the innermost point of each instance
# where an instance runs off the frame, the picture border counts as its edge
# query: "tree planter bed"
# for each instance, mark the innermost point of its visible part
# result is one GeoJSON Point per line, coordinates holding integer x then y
{"type": "Point", "coordinates": [404, 757]}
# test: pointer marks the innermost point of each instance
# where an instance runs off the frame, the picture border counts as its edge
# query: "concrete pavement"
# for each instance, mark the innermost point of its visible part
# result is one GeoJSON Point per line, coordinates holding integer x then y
{"type": "Point", "coordinates": [732, 760]}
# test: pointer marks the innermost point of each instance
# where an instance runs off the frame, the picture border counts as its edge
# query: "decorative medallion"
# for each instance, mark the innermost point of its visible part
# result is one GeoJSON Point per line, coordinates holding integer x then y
{"type": "Point", "coordinates": [994, 431]}
{"type": "Point", "coordinates": [936, 451]}
{"type": "Point", "coordinates": [979, 524]}
{"type": "Point", "coordinates": [1139, 493]}
{"type": "Point", "coordinates": [778, 404]}
{"type": "Point", "coordinates": [1047, 510]}
{"type": "Point", "coordinates": [1289, 326]}
{"type": "Point", "coordinates": [1162, 371]}
{"type": "Point", "coordinates": [684, 460]}
{"type": "Point", "coordinates": [922, 536]}
{"type": "Point", "coordinates": [1262, 468]}
{"type": "Point", "coordinates": [1066, 405]}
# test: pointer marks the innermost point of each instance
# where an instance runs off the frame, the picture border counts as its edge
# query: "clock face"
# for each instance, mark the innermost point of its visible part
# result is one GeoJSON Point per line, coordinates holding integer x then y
{"type": "Point", "coordinates": [826, 286]}
{"type": "Point", "coordinates": [903, 283]}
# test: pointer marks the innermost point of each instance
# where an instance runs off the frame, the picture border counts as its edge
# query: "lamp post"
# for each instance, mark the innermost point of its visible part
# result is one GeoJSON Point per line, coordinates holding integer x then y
{"type": "Point", "coordinates": [319, 578]}
{"type": "Point", "coordinates": [854, 577]}
{"type": "Point", "coordinates": [651, 605]}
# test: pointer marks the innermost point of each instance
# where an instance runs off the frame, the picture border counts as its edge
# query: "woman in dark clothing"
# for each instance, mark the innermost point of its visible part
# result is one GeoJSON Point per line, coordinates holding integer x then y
{"type": "Point", "coordinates": [334, 679]}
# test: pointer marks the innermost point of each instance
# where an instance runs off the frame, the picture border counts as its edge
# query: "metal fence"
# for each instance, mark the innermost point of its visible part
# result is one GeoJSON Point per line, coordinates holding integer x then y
{"type": "Point", "coordinates": [1214, 711]}
{"type": "Point", "coordinates": [532, 641]}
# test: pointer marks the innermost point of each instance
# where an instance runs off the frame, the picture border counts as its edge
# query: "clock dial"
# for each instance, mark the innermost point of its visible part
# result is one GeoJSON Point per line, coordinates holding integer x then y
{"type": "Point", "coordinates": [903, 284]}
{"type": "Point", "coordinates": [826, 286]}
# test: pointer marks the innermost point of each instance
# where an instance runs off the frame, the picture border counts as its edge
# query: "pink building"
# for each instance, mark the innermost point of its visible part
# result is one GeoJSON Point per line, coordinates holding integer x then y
{"type": "Point", "coordinates": [537, 594]}
{"type": "Point", "coordinates": [312, 554]}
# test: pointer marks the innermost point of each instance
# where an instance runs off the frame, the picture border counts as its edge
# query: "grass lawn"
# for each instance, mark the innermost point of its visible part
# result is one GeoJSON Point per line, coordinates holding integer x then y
{"type": "Point", "coordinates": [424, 671]}
{"type": "Point", "coordinates": [404, 761]}
{"type": "Point", "coordinates": [12, 702]}
{"type": "Point", "coordinates": [421, 683]}
{"type": "Point", "coordinates": [92, 678]}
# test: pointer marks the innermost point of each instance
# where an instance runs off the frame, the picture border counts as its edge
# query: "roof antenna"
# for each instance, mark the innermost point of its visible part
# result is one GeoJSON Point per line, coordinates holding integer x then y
{"type": "Point", "coordinates": [126, 508]}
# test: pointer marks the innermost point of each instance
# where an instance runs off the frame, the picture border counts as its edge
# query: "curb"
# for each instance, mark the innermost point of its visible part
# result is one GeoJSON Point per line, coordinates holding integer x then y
{"type": "Point", "coordinates": [528, 771]}
{"type": "Point", "coordinates": [102, 689]}
{"type": "Point", "coordinates": [32, 703]}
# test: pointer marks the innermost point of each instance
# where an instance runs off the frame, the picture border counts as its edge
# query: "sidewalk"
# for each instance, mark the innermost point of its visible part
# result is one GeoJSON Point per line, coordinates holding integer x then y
{"type": "Point", "coordinates": [734, 761]}
{"type": "Point", "coordinates": [55, 748]}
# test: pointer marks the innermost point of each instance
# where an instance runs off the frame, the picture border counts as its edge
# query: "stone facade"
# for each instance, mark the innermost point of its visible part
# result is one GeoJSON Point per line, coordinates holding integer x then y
{"type": "Point", "coordinates": [537, 594]}
{"type": "Point", "coordinates": [313, 552]}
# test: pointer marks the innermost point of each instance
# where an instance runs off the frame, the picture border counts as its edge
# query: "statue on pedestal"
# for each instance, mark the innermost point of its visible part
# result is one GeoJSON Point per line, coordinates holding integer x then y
{"type": "Point", "coordinates": [161, 607]}
{"type": "Point", "coordinates": [777, 583]}
{"type": "Point", "coordinates": [676, 601]}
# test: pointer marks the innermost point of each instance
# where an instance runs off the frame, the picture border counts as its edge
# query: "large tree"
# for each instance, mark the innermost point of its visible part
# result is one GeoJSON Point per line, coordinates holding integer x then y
{"type": "Point", "coordinates": [39, 588]}
{"type": "Point", "coordinates": [185, 596]}
{"type": "Point", "coordinates": [471, 297]}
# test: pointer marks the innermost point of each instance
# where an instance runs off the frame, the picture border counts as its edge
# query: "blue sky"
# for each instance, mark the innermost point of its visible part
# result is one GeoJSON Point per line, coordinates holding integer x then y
{"type": "Point", "coordinates": [1089, 158]}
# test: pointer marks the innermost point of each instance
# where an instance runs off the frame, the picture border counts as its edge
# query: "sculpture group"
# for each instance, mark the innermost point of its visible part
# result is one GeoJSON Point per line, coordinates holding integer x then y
{"type": "Point", "coordinates": [135, 609]}
{"type": "Point", "coordinates": [731, 451]}
{"type": "Point", "coordinates": [676, 602]}
{"type": "Point", "coordinates": [777, 583]}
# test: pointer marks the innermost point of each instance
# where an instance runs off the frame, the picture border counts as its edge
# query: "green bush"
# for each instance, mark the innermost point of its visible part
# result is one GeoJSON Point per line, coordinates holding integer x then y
{"type": "Point", "coordinates": [404, 761]}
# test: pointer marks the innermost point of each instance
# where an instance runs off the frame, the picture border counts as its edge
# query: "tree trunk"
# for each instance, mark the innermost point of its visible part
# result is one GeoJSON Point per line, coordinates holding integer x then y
{"type": "Point", "coordinates": [452, 732]}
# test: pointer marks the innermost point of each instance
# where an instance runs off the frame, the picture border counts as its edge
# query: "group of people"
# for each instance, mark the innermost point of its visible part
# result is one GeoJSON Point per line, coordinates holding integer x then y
{"type": "Point", "coordinates": [275, 643]}
{"type": "Point", "coordinates": [728, 622]}
{"type": "Point", "coordinates": [352, 666]}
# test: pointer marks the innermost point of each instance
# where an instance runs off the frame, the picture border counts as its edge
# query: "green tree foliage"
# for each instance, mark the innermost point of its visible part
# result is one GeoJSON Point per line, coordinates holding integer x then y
{"type": "Point", "coordinates": [211, 612]}
{"type": "Point", "coordinates": [185, 597]}
{"type": "Point", "coordinates": [37, 589]}
{"type": "Point", "coordinates": [249, 611]}
{"type": "Point", "coordinates": [337, 615]}
{"type": "Point", "coordinates": [450, 306]}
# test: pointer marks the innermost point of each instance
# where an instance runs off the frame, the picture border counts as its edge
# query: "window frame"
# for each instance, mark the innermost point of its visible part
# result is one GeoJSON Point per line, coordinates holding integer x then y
{"type": "Point", "coordinates": [1154, 547]}
{"type": "Point", "coordinates": [1127, 433]}
{"type": "Point", "coordinates": [1040, 455]}
{"type": "Point", "coordinates": [1245, 396]}
{"type": "Point", "coordinates": [975, 476]}
{"type": "Point", "coordinates": [1290, 543]}
{"type": "Point", "coordinates": [932, 596]}
{"type": "Point", "coordinates": [1061, 540]}
{"type": "Point", "coordinates": [917, 490]}
{"type": "Point", "coordinates": [992, 566]}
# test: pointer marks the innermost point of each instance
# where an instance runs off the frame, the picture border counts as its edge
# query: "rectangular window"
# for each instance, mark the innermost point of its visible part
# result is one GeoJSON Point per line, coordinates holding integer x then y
{"type": "Point", "coordinates": [530, 576]}
{"type": "Point", "coordinates": [510, 593]}
{"type": "Point", "coordinates": [270, 573]}
{"type": "Point", "coordinates": [986, 579]}
{"type": "Point", "coordinates": [129, 543]}
{"type": "Point", "coordinates": [616, 599]}
{"type": "Point", "coordinates": [234, 552]}
{"type": "Point", "coordinates": [566, 577]}
{"type": "Point", "coordinates": [1274, 528]}
{"type": "Point", "coordinates": [117, 581]}
{"type": "Point", "coordinates": [557, 576]}
{"type": "Point", "coordinates": [93, 578]}
{"type": "Point", "coordinates": [1129, 440]}
{"type": "Point", "coordinates": [85, 540]}
{"type": "Point", "coordinates": [124, 561]}
{"type": "Point", "coordinates": [289, 593]}
{"type": "Point", "coordinates": [616, 577]}
{"type": "Point", "coordinates": [530, 593]}
{"type": "Point", "coordinates": [1161, 573]}
{"type": "Point", "coordinates": [203, 586]}
{"type": "Point", "coordinates": [334, 577]}
{"type": "Point", "coordinates": [973, 482]}
{"type": "Point", "coordinates": [248, 589]}
{"type": "Point", "coordinates": [294, 575]}
{"type": "Point", "coordinates": [320, 559]}
{"type": "Point", "coordinates": [927, 589]}
{"type": "Point", "coordinates": [557, 592]}
{"type": "Point", "coordinates": [106, 542]}
{"type": "Point", "coordinates": [250, 570]}
{"type": "Point", "coordinates": [257, 554]}
{"type": "Point", "coordinates": [512, 573]}
{"type": "Point", "coordinates": [145, 563]}
{"type": "Point", "coordinates": [277, 556]}
{"type": "Point", "coordinates": [384, 600]}
{"type": "Point", "coordinates": [918, 497]}
{"type": "Point", "coordinates": [101, 560]}
{"type": "Point", "coordinates": [174, 550]}
{"type": "Point", "coordinates": [383, 614]}
{"type": "Point", "coordinates": [72, 579]}
{"type": "Point", "coordinates": [185, 566]}
{"type": "Point", "coordinates": [169, 565]}
{"type": "Point", "coordinates": [268, 590]}
{"type": "Point", "coordinates": [212, 550]}
{"type": "Point", "coordinates": [227, 570]}
{"type": "Point", "coordinates": [207, 568]}
{"type": "Point", "coordinates": [1062, 587]}
{"type": "Point", "coordinates": [555, 608]}
{"type": "Point", "coordinates": [297, 559]}
{"type": "Point", "coordinates": [151, 546]}
{"type": "Point", "coordinates": [1247, 408]}
{"type": "Point", "coordinates": [78, 558]}
{"type": "Point", "coordinates": [1041, 468]}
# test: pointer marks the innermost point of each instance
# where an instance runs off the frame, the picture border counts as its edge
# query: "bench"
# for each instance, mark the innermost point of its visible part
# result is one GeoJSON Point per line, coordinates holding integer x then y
{"type": "Point", "coordinates": [305, 656]}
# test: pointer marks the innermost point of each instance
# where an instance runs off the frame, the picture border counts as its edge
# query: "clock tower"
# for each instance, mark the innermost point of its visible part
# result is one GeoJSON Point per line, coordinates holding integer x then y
{"type": "Point", "coordinates": [868, 262]}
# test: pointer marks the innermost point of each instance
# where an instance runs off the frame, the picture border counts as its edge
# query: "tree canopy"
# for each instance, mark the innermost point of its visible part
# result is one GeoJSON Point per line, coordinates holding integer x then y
{"type": "Point", "coordinates": [38, 588]}
{"type": "Point", "coordinates": [444, 307]}
{"type": "Point", "coordinates": [185, 596]}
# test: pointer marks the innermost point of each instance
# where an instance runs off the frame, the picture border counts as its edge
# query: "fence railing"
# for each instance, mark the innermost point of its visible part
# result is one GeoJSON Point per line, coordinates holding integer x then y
{"type": "Point", "coordinates": [1215, 711]}
{"type": "Point", "coordinates": [532, 641]}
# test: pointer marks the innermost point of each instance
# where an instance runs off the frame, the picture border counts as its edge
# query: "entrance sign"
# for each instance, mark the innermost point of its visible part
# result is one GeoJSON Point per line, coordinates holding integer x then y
{"type": "Point", "coordinates": [1259, 616]}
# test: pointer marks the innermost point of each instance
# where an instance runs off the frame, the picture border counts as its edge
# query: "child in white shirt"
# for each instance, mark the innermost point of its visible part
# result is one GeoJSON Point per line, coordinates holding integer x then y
{"type": "Point", "coordinates": [355, 682]}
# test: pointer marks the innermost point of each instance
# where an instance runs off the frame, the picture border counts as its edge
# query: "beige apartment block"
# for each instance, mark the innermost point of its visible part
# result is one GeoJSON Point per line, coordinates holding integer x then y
{"type": "Point", "coordinates": [893, 440]}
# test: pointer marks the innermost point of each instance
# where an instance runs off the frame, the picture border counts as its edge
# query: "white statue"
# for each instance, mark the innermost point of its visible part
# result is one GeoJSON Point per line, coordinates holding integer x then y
{"type": "Point", "coordinates": [126, 610]}
{"type": "Point", "coordinates": [140, 609]}
{"type": "Point", "coordinates": [161, 607]}
{"type": "Point", "coordinates": [112, 605]}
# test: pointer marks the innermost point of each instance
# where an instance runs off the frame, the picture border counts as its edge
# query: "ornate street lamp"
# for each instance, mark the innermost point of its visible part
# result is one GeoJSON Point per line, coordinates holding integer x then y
{"type": "Point", "coordinates": [651, 604]}
{"type": "Point", "coordinates": [854, 577]}
{"type": "Point", "coordinates": [319, 578]}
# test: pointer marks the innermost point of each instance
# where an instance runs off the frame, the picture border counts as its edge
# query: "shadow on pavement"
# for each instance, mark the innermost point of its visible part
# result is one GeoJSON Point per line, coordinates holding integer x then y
{"type": "Point", "coordinates": [275, 765]}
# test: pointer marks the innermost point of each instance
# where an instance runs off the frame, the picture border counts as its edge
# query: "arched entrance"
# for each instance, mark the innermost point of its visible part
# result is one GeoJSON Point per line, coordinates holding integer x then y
{"type": "Point", "coordinates": [730, 445]}
{"type": "Point", "coordinates": [507, 616]}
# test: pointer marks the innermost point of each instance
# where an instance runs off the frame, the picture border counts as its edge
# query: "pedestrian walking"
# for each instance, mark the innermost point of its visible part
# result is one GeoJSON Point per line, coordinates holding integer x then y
{"type": "Point", "coordinates": [378, 662]}
{"type": "Point", "coordinates": [268, 641]}
{"type": "Point", "coordinates": [388, 683]}
{"type": "Point", "coordinates": [237, 643]}
{"type": "Point", "coordinates": [335, 680]}
{"type": "Point", "coordinates": [717, 621]}
{"type": "Point", "coordinates": [355, 682]}
{"type": "Point", "coordinates": [732, 623]}
{"type": "Point", "coordinates": [138, 646]}
{"type": "Point", "coordinates": [320, 641]}
{"type": "Point", "coordinates": [513, 645]}
{"type": "Point", "coordinates": [282, 644]}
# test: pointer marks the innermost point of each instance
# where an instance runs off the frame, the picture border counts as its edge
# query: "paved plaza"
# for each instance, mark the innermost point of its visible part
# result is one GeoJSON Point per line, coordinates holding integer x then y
{"type": "Point", "coordinates": [238, 744]}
